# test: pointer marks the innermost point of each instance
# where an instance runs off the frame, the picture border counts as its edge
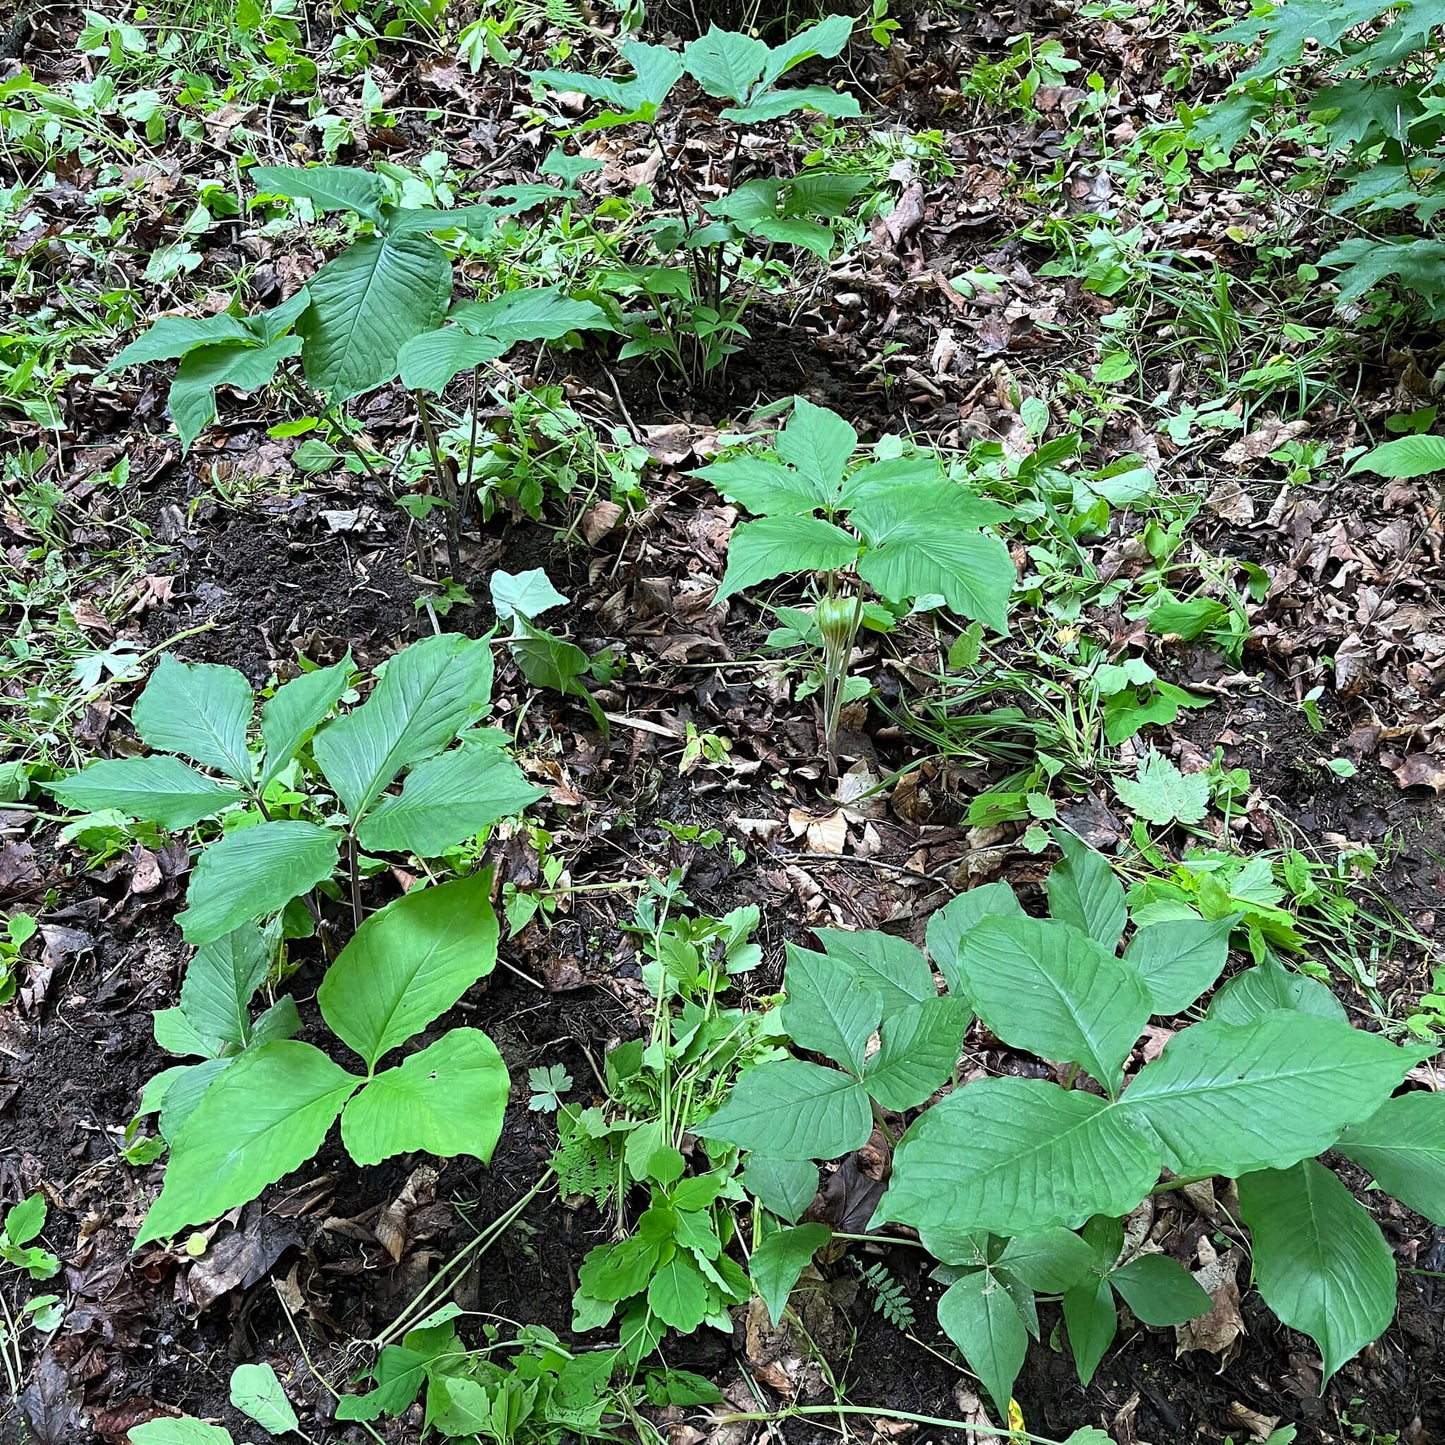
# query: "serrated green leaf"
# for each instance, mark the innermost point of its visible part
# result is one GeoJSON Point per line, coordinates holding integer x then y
{"type": "Point", "coordinates": [1016, 1157]}
{"type": "Point", "coordinates": [1402, 1145]}
{"type": "Point", "coordinates": [446, 800]}
{"type": "Point", "coordinates": [449, 1099]}
{"type": "Point", "coordinates": [791, 1109]}
{"type": "Point", "coordinates": [1162, 794]}
{"type": "Point", "coordinates": [978, 1314]}
{"type": "Point", "coordinates": [1180, 958]}
{"type": "Point", "coordinates": [220, 981]}
{"type": "Point", "coordinates": [410, 963]}
{"type": "Point", "coordinates": [1320, 1261]}
{"type": "Point", "coordinates": [1049, 988]}
{"type": "Point", "coordinates": [772, 546]}
{"type": "Point", "coordinates": [366, 304]}
{"type": "Point", "coordinates": [198, 709]}
{"type": "Point", "coordinates": [678, 1293]}
{"type": "Point", "coordinates": [253, 873]}
{"type": "Point", "coordinates": [1228, 1099]}
{"type": "Point", "coordinates": [427, 694]}
{"type": "Point", "coordinates": [829, 1010]}
{"type": "Point", "coordinates": [918, 1052]}
{"type": "Point", "coordinates": [295, 708]}
{"type": "Point", "coordinates": [263, 1117]}
{"type": "Point", "coordinates": [158, 789]}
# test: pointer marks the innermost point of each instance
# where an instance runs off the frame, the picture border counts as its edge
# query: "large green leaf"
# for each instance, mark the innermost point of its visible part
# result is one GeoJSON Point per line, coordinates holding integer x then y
{"type": "Point", "coordinates": [157, 789]}
{"type": "Point", "coordinates": [429, 362]}
{"type": "Point", "coordinates": [1270, 986]}
{"type": "Point", "coordinates": [545, 313]}
{"type": "Point", "coordinates": [791, 1109]}
{"type": "Point", "coordinates": [1084, 890]}
{"type": "Point", "coordinates": [174, 336]}
{"type": "Point", "coordinates": [1180, 958]}
{"type": "Point", "coordinates": [773, 104]}
{"type": "Point", "coordinates": [446, 800]}
{"type": "Point", "coordinates": [951, 923]}
{"type": "Point", "coordinates": [1051, 1261]}
{"type": "Point", "coordinates": [917, 547]}
{"type": "Point", "coordinates": [773, 546]}
{"type": "Point", "coordinates": [328, 188]}
{"type": "Point", "coordinates": [198, 709]}
{"type": "Point", "coordinates": [1051, 989]}
{"type": "Point", "coordinates": [778, 1261]}
{"type": "Point", "coordinates": [448, 1099]}
{"type": "Point", "coordinates": [918, 1053]}
{"type": "Point", "coordinates": [1415, 456]}
{"type": "Point", "coordinates": [295, 709]}
{"type": "Point", "coordinates": [263, 1117]}
{"type": "Point", "coordinates": [827, 38]}
{"type": "Point", "coordinates": [254, 872]}
{"type": "Point", "coordinates": [1018, 1156]}
{"type": "Point", "coordinates": [763, 486]}
{"type": "Point", "coordinates": [830, 1010]}
{"type": "Point", "coordinates": [657, 69]}
{"type": "Point", "coordinates": [1228, 1099]}
{"type": "Point", "coordinates": [427, 694]}
{"type": "Point", "coordinates": [1160, 1290]}
{"type": "Point", "coordinates": [1320, 1261]}
{"type": "Point", "coordinates": [892, 965]}
{"type": "Point", "coordinates": [220, 980]}
{"type": "Point", "coordinates": [182, 1431]}
{"type": "Point", "coordinates": [725, 63]}
{"type": "Point", "coordinates": [978, 1314]}
{"type": "Point", "coordinates": [786, 1186]}
{"type": "Point", "coordinates": [192, 397]}
{"type": "Point", "coordinates": [366, 304]}
{"type": "Point", "coordinates": [409, 964]}
{"type": "Point", "coordinates": [818, 442]}
{"type": "Point", "coordinates": [1402, 1144]}
{"type": "Point", "coordinates": [256, 1391]}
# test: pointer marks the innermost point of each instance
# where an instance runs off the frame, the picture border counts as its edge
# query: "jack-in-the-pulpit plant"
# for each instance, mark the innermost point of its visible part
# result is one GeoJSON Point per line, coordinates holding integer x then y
{"type": "Point", "coordinates": [998, 1174]}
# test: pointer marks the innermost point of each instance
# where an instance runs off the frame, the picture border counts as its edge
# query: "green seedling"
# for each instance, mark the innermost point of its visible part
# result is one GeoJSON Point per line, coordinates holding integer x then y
{"type": "Point", "coordinates": [20, 928]}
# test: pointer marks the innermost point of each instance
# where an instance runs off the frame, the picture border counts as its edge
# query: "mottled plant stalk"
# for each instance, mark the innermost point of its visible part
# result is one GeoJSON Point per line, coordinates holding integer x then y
{"type": "Point", "coordinates": [838, 618]}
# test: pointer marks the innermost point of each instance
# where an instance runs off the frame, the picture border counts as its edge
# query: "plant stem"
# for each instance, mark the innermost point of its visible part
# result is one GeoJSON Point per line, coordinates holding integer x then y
{"type": "Point", "coordinates": [441, 468]}
{"type": "Point", "coordinates": [354, 867]}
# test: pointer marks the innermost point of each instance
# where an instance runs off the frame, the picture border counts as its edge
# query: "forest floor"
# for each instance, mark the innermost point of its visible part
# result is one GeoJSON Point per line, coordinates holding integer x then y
{"type": "Point", "coordinates": [118, 546]}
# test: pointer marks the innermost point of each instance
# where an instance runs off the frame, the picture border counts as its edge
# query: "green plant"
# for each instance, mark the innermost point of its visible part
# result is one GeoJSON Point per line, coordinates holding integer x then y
{"type": "Point", "coordinates": [998, 1174]}
{"type": "Point", "coordinates": [1370, 111]}
{"type": "Point", "coordinates": [671, 1270]}
{"type": "Point", "coordinates": [20, 928]}
{"type": "Point", "coordinates": [42, 1313]}
{"type": "Point", "coordinates": [320, 781]}
{"type": "Point", "coordinates": [701, 276]}
{"type": "Point", "coordinates": [898, 524]}
{"type": "Point", "coordinates": [378, 310]}
{"type": "Point", "coordinates": [271, 1108]}
{"type": "Point", "coordinates": [543, 1392]}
